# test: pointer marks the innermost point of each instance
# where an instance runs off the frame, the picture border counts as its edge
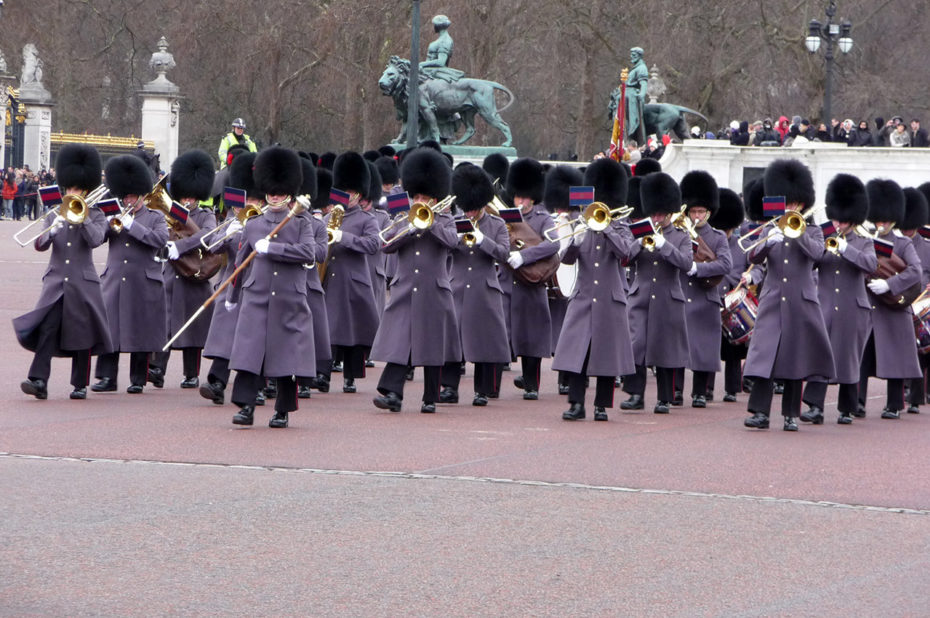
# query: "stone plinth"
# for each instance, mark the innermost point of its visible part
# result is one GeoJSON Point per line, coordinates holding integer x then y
{"type": "Point", "coordinates": [161, 107]}
{"type": "Point", "coordinates": [469, 152]}
{"type": "Point", "coordinates": [37, 134]}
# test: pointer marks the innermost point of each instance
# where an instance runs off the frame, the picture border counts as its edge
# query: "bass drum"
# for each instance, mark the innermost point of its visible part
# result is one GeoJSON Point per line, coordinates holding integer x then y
{"type": "Point", "coordinates": [562, 285]}
{"type": "Point", "coordinates": [738, 315]}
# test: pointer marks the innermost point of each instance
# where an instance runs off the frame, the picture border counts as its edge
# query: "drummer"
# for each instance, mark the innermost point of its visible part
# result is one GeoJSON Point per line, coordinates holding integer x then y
{"type": "Point", "coordinates": [915, 218]}
{"type": "Point", "coordinates": [844, 301]}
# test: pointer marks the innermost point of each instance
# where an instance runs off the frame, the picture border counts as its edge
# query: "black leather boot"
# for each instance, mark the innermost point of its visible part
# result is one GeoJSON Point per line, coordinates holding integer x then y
{"type": "Point", "coordinates": [635, 402]}
{"type": "Point", "coordinates": [757, 421]}
{"type": "Point", "coordinates": [574, 413]}
{"type": "Point", "coordinates": [245, 416]}
{"type": "Point", "coordinates": [813, 415]}
{"type": "Point", "coordinates": [278, 421]}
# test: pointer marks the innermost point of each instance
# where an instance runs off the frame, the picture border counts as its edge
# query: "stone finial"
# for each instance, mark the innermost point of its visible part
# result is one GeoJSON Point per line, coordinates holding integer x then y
{"type": "Point", "coordinates": [655, 88]}
{"type": "Point", "coordinates": [162, 61]}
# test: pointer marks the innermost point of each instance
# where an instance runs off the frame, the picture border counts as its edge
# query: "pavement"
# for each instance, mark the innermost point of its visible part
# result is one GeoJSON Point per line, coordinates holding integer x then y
{"type": "Point", "coordinates": [156, 504]}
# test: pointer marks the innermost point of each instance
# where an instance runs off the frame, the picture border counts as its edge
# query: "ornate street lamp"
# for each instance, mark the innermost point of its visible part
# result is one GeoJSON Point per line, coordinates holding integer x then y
{"type": "Point", "coordinates": [831, 33]}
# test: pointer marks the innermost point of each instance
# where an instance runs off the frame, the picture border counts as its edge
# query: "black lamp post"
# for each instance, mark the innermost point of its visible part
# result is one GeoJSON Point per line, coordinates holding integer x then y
{"type": "Point", "coordinates": [831, 33]}
{"type": "Point", "coordinates": [413, 112]}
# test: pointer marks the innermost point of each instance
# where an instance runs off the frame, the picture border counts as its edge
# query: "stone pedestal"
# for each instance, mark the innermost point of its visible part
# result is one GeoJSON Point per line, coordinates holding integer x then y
{"type": "Point", "coordinates": [161, 108]}
{"type": "Point", "coordinates": [37, 138]}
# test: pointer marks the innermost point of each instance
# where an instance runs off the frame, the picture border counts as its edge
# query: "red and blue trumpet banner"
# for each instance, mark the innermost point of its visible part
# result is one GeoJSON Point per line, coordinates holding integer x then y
{"type": "Point", "coordinates": [234, 198]}
{"type": "Point", "coordinates": [178, 213]}
{"type": "Point", "coordinates": [883, 248]}
{"type": "Point", "coordinates": [398, 203]}
{"type": "Point", "coordinates": [924, 231]}
{"type": "Point", "coordinates": [642, 228]}
{"type": "Point", "coordinates": [773, 207]}
{"type": "Point", "coordinates": [50, 196]}
{"type": "Point", "coordinates": [339, 197]}
{"type": "Point", "coordinates": [464, 225]}
{"type": "Point", "coordinates": [580, 196]}
{"type": "Point", "coordinates": [828, 229]}
{"type": "Point", "coordinates": [511, 215]}
{"type": "Point", "coordinates": [110, 207]}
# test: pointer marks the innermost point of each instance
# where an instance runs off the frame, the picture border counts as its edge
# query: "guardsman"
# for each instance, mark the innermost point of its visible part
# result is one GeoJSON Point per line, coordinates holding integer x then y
{"type": "Point", "coordinates": [419, 327]}
{"type": "Point", "coordinates": [370, 204]}
{"type": "Point", "coordinates": [701, 284]}
{"type": "Point", "coordinates": [889, 354]}
{"type": "Point", "coordinates": [656, 302]}
{"type": "Point", "coordinates": [844, 300]}
{"type": "Point", "coordinates": [527, 305]}
{"type": "Point", "coordinates": [476, 289]}
{"type": "Point", "coordinates": [918, 391]}
{"type": "Point", "coordinates": [274, 332]}
{"type": "Point", "coordinates": [595, 338]}
{"type": "Point", "coordinates": [133, 284]}
{"type": "Point", "coordinates": [218, 346]}
{"type": "Point", "coordinates": [790, 340]}
{"type": "Point", "coordinates": [350, 297]}
{"type": "Point", "coordinates": [70, 318]}
{"type": "Point", "coordinates": [190, 182]}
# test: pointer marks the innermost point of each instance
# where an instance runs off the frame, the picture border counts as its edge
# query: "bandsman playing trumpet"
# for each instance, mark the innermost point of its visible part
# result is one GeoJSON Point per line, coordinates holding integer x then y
{"type": "Point", "coordinates": [133, 285]}
{"type": "Point", "coordinates": [419, 327]}
{"type": "Point", "coordinates": [70, 319]}
{"type": "Point", "coordinates": [844, 300]}
{"type": "Point", "coordinates": [790, 339]}
{"type": "Point", "coordinates": [476, 289]}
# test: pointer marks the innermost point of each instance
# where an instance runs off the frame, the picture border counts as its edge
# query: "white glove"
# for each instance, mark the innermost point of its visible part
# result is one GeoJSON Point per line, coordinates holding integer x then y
{"type": "Point", "coordinates": [337, 236]}
{"type": "Point", "coordinates": [479, 237]}
{"type": "Point", "coordinates": [57, 223]}
{"type": "Point", "coordinates": [230, 305]}
{"type": "Point", "coordinates": [878, 286]}
{"type": "Point", "coordinates": [564, 243]}
{"type": "Point", "coordinates": [693, 270]}
{"type": "Point", "coordinates": [261, 245]}
{"type": "Point", "coordinates": [659, 240]}
{"type": "Point", "coordinates": [235, 227]}
{"type": "Point", "coordinates": [578, 238]}
{"type": "Point", "coordinates": [746, 278]}
{"type": "Point", "coordinates": [841, 244]}
{"type": "Point", "coordinates": [127, 219]}
{"type": "Point", "coordinates": [515, 260]}
{"type": "Point", "coordinates": [173, 252]}
{"type": "Point", "coordinates": [775, 237]}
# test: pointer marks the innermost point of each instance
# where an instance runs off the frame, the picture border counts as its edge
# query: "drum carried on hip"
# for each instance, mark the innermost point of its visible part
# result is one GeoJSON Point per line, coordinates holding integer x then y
{"type": "Point", "coordinates": [738, 315]}
{"type": "Point", "coordinates": [921, 308]}
{"type": "Point", "coordinates": [562, 284]}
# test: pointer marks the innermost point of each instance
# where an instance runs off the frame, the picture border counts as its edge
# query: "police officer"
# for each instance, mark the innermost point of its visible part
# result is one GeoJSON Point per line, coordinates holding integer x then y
{"type": "Point", "coordinates": [235, 136]}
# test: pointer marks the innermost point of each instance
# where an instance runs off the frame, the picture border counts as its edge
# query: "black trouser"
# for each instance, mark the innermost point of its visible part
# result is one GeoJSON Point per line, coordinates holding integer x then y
{"type": "Point", "coordinates": [815, 395]}
{"type": "Point", "coordinates": [353, 360]}
{"type": "Point", "coordinates": [531, 366]}
{"type": "Point", "coordinates": [394, 376]}
{"type": "Point", "coordinates": [635, 384]}
{"type": "Point", "coordinates": [48, 342]}
{"type": "Point", "coordinates": [918, 393]}
{"type": "Point", "coordinates": [191, 360]}
{"type": "Point", "coordinates": [219, 372]}
{"type": "Point", "coordinates": [760, 399]}
{"type": "Point", "coordinates": [732, 356]}
{"type": "Point", "coordinates": [108, 367]}
{"type": "Point", "coordinates": [247, 384]}
{"type": "Point", "coordinates": [700, 381]}
{"type": "Point", "coordinates": [894, 386]}
{"type": "Point", "coordinates": [485, 377]}
{"type": "Point", "coordinates": [577, 385]}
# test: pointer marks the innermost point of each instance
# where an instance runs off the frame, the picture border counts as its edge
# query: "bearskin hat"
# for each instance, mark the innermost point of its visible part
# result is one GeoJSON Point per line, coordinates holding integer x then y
{"type": "Point", "coordinates": [730, 214]}
{"type": "Point", "coordinates": [526, 178]}
{"type": "Point", "coordinates": [387, 151]}
{"type": "Point", "coordinates": [559, 181]}
{"type": "Point", "coordinates": [371, 155]}
{"type": "Point", "coordinates": [753, 193]}
{"type": "Point", "coordinates": [192, 176]}
{"type": "Point", "coordinates": [698, 188]}
{"type": "Point", "coordinates": [646, 166]}
{"type": "Point", "coordinates": [234, 151]}
{"type": "Point", "coordinates": [128, 175]}
{"type": "Point", "coordinates": [496, 165]}
{"type": "Point", "coordinates": [431, 143]}
{"type": "Point", "coordinates": [471, 187]}
{"type": "Point", "coordinates": [790, 178]}
{"type": "Point", "coordinates": [79, 165]}
{"type": "Point", "coordinates": [660, 194]}
{"type": "Point", "coordinates": [847, 200]}
{"type": "Point", "coordinates": [324, 183]}
{"type": "Point", "coordinates": [350, 173]}
{"type": "Point", "coordinates": [373, 194]}
{"type": "Point", "coordinates": [634, 198]}
{"type": "Point", "coordinates": [387, 169]}
{"type": "Point", "coordinates": [277, 172]}
{"type": "Point", "coordinates": [425, 172]}
{"type": "Point", "coordinates": [925, 189]}
{"type": "Point", "coordinates": [241, 176]}
{"type": "Point", "coordinates": [610, 182]}
{"type": "Point", "coordinates": [327, 159]}
{"type": "Point", "coordinates": [886, 200]}
{"type": "Point", "coordinates": [915, 210]}
{"type": "Point", "coordinates": [308, 176]}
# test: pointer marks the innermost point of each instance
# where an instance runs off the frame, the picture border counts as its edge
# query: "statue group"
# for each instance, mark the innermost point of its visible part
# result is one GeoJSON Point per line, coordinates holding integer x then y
{"type": "Point", "coordinates": [447, 100]}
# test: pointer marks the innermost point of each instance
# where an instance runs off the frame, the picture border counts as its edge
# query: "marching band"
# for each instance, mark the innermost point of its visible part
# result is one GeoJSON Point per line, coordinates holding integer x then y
{"type": "Point", "coordinates": [416, 264]}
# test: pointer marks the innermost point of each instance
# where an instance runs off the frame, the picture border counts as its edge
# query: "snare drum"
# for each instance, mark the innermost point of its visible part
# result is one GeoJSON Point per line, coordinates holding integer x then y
{"type": "Point", "coordinates": [563, 282]}
{"type": "Point", "coordinates": [738, 315]}
{"type": "Point", "coordinates": [921, 309]}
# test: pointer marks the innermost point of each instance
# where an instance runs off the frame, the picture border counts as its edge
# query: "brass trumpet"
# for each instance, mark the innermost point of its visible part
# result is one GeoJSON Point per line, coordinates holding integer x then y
{"type": "Point", "coordinates": [244, 215]}
{"type": "Point", "coordinates": [792, 224]}
{"type": "Point", "coordinates": [596, 217]}
{"type": "Point", "coordinates": [75, 208]}
{"type": "Point", "coordinates": [420, 217]}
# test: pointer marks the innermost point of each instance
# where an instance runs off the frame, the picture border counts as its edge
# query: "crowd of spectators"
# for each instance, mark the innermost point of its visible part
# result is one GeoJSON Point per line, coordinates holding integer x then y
{"type": "Point", "coordinates": [20, 192]}
{"type": "Point", "coordinates": [894, 133]}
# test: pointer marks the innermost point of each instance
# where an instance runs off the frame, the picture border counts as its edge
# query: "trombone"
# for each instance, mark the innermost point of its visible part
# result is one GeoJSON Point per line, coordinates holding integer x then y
{"type": "Point", "coordinates": [596, 217]}
{"type": "Point", "coordinates": [419, 218]}
{"type": "Point", "coordinates": [244, 215]}
{"type": "Point", "coordinates": [75, 208]}
{"type": "Point", "coordinates": [792, 224]}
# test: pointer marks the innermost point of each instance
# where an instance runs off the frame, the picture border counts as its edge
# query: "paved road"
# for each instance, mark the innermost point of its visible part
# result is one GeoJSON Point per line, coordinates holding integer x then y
{"type": "Point", "coordinates": [156, 504]}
